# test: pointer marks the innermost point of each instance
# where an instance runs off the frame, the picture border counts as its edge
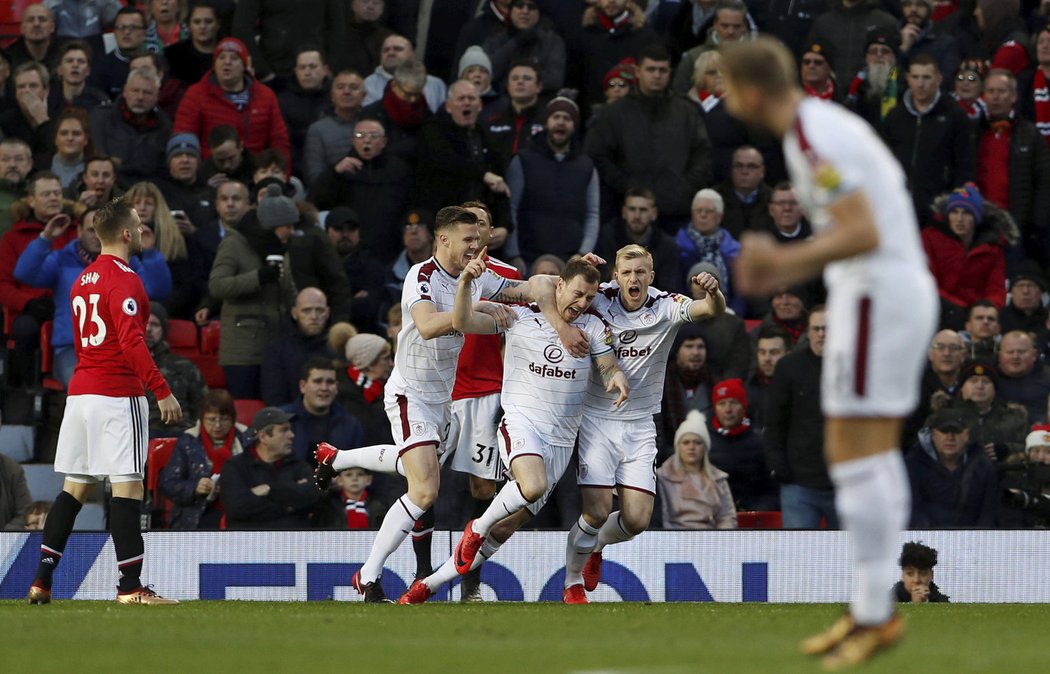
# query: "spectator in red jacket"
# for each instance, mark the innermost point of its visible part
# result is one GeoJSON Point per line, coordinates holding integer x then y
{"type": "Point", "coordinates": [965, 248]}
{"type": "Point", "coordinates": [32, 306]}
{"type": "Point", "coordinates": [228, 94]}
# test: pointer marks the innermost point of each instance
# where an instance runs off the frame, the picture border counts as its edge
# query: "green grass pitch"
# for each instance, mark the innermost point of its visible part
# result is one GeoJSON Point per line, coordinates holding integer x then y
{"type": "Point", "coordinates": [249, 637]}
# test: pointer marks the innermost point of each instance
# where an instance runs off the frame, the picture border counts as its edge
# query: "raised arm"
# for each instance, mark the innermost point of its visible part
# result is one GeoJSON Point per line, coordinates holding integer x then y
{"type": "Point", "coordinates": [612, 376]}
{"type": "Point", "coordinates": [713, 304]}
{"type": "Point", "coordinates": [464, 317]}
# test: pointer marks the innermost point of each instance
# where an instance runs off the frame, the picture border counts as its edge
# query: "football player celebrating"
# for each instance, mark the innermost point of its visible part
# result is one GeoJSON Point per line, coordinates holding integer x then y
{"type": "Point", "coordinates": [543, 393]}
{"type": "Point", "coordinates": [618, 448]}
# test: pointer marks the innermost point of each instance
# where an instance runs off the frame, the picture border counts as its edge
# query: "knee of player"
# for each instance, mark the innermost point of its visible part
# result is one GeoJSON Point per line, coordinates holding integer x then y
{"type": "Point", "coordinates": [533, 488]}
{"type": "Point", "coordinates": [636, 522]}
{"type": "Point", "coordinates": [595, 513]}
{"type": "Point", "coordinates": [424, 495]}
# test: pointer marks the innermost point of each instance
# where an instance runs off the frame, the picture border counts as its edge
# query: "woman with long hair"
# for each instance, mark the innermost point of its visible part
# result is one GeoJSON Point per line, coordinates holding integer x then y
{"type": "Point", "coordinates": [186, 260]}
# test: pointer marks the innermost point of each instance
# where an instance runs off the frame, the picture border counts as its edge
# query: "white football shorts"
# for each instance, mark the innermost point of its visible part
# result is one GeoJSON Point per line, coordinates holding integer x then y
{"type": "Point", "coordinates": [617, 453]}
{"type": "Point", "coordinates": [103, 436]}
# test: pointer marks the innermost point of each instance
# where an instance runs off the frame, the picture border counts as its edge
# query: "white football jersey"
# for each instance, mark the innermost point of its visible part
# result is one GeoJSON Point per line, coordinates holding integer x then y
{"type": "Point", "coordinates": [426, 368]}
{"type": "Point", "coordinates": [544, 383]}
{"type": "Point", "coordinates": [641, 341]}
{"type": "Point", "coordinates": [831, 152]}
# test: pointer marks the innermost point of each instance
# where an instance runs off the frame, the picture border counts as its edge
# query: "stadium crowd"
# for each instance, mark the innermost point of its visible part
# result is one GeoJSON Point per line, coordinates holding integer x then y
{"type": "Point", "coordinates": [287, 160]}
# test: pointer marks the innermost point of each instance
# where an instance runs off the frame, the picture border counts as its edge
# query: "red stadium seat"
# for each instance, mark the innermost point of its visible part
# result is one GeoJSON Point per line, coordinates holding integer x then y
{"type": "Point", "coordinates": [160, 450]}
{"type": "Point", "coordinates": [182, 337]}
{"type": "Point", "coordinates": [46, 358]}
{"type": "Point", "coordinates": [210, 334]}
{"type": "Point", "coordinates": [758, 519]}
{"type": "Point", "coordinates": [752, 323]}
{"type": "Point", "coordinates": [246, 409]}
{"type": "Point", "coordinates": [210, 369]}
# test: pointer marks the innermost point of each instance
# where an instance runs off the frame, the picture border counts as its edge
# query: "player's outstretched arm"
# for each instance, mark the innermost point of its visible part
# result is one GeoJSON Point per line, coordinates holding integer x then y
{"type": "Point", "coordinates": [763, 266]}
{"type": "Point", "coordinates": [464, 317]}
{"type": "Point", "coordinates": [714, 304]}
{"type": "Point", "coordinates": [612, 377]}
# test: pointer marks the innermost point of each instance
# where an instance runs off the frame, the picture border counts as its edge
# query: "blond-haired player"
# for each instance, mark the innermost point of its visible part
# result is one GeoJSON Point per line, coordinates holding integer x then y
{"type": "Point", "coordinates": [617, 448]}
{"type": "Point", "coordinates": [882, 310]}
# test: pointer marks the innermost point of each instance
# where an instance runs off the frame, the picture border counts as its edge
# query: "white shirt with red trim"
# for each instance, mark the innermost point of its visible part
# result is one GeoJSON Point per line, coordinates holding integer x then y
{"type": "Point", "coordinates": [542, 382]}
{"type": "Point", "coordinates": [830, 152]}
{"type": "Point", "coordinates": [642, 340]}
{"type": "Point", "coordinates": [480, 371]}
{"type": "Point", "coordinates": [110, 312]}
{"type": "Point", "coordinates": [426, 368]}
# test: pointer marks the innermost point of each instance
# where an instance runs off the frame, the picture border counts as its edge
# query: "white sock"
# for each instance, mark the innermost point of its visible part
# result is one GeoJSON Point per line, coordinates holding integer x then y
{"type": "Point", "coordinates": [397, 524]}
{"type": "Point", "coordinates": [507, 502]}
{"type": "Point", "coordinates": [873, 499]}
{"type": "Point", "coordinates": [376, 458]}
{"type": "Point", "coordinates": [447, 571]}
{"type": "Point", "coordinates": [578, 547]}
{"type": "Point", "coordinates": [612, 532]}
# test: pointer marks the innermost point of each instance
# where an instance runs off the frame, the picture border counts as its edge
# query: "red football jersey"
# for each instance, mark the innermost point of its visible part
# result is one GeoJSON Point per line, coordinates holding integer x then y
{"type": "Point", "coordinates": [110, 312]}
{"type": "Point", "coordinates": [480, 370]}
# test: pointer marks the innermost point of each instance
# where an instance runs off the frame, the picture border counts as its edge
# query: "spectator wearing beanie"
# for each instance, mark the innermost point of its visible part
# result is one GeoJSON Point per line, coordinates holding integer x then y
{"type": "Point", "coordinates": [817, 74]}
{"type": "Point", "coordinates": [361, 383]}
{"type": "Point", "coordinates": [965, 246]}
{"type": "Point", "coordinates": [554, 190]}
{"type": "Point", "coordinates": [476, 68]}
{"type": "Point", "coordinates": [738, 450]}
{"type": "Point", "coordinates": [184, 186]}
{"type": "Point", "coordinates": [693, 493]}
{"type": "Point", "coordinates": [996, 425]}
{"type": "Point", "coordinates": [251, 277]}
{"type": "Point", "coordinates": [616, 84]}
{"type": "Point", "coordinates": [493, 19]}
{"type": "Point", "coordinates": [229, 94]}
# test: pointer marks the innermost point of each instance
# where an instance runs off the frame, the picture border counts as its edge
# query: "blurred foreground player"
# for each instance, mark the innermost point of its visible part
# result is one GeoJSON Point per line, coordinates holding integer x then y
{"type": "Point", "coordinates": [104, 431]}
{"type": "Point", "coordinates": [882, 310]}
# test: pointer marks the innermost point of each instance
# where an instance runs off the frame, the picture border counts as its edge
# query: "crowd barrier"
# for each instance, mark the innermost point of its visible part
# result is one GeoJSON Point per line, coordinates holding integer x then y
{"type": "Point", "coordinates": [723, 566]}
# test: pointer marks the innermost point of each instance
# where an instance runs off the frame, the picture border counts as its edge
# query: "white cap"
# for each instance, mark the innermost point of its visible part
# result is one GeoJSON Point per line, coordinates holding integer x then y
{"type": "Point", "coordinates": [1039, 438]}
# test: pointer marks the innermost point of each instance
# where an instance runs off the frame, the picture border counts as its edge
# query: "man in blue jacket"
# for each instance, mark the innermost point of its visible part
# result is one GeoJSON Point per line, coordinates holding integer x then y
{"type": "Point", "coordinates": [317, 417]}
{"type": "Point", "coordinates": [41, 267]}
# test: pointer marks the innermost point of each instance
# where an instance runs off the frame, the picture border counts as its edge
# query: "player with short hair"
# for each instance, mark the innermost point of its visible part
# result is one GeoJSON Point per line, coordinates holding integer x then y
{"type": "Point", "coordinates": [543, 393]}
{"type": "Point", "coordinates": [617, 449]}
{"type": "Point", "coordinates": [882, 310]}
{"type": "Point", "coordinates": [104, 430]}
{"type": "Point", "coordinates": [417, 395]}
{"type": "Point", "coordinates": [476, 404]}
